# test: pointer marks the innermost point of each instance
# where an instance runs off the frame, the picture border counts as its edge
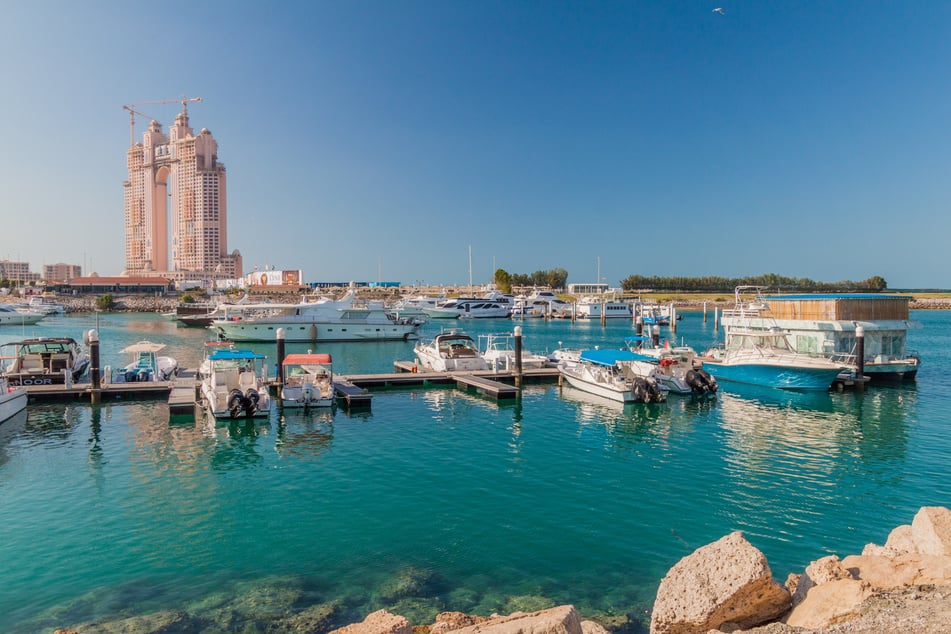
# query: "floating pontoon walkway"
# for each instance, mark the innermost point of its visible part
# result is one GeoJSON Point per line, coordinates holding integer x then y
{"type": "Point", "coordinates": [183, 391]}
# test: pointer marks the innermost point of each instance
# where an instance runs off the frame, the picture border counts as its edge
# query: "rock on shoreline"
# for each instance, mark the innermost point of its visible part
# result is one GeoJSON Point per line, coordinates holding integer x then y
{"type": "Point", "coordinates": [903, 586]}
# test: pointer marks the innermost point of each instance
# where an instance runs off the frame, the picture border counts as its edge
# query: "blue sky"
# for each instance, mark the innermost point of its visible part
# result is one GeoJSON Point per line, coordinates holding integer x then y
{"type": "Point", "coordinates": [379, 140]}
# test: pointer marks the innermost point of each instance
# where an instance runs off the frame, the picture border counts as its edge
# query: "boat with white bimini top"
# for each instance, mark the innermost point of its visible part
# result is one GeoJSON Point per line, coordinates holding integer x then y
{"type": "Point", "coordinates": [233, 388]}
{"type": "Point", "coordinates": [308, 381]}
{"type": "Point", "coordinates": [498, 350]}
{"type": "Point", "coordinates": [45, 361]}
{"type": "Point", "coordinates": [12, 399]}
{"type": "Point", "coordinates": [346, 319]}
{"type": "Point", "coordinates": [450, 350]}
{"type": "Point", "coordinates": [146, 365]}
{"type": "Point", "coordinates": [679, 369]}
{"type": "Point", "coordinates": [619, 375]}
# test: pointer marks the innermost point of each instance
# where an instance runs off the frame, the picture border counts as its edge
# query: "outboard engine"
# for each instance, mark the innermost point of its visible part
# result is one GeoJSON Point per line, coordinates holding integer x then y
{"type": "Point", "coordinates": [712, 384]}
{"type": "Point", "coordinates": [701, 382]}
{"type": "Point", "coordinates": [641, 391]}
{"type": "Point", "coordinates": [251, 398]}
{"type": "Point", "coordinates": [307, 392]}
{"type": "Point", "coordinates": [235, 403]}
{"type": "Point", "coordinates": [654, 392]}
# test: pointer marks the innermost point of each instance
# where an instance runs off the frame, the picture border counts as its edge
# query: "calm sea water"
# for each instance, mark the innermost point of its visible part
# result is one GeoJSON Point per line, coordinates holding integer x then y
{"type": "Point", "coordinates": [115, 510]}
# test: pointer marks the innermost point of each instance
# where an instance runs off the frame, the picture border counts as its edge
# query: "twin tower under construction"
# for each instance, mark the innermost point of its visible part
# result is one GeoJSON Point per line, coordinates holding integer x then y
{"type": "Point", "coordinates": [176, 211]}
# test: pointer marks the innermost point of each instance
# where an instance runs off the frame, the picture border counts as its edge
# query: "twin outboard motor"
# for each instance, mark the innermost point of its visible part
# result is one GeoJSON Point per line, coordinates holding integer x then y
{"type": "Point", "coordinates": [701, 382]}
{"type": "Point", "coordinates": [246, 402]}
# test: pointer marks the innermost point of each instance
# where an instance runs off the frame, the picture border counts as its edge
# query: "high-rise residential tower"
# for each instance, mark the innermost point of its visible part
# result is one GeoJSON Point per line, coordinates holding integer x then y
{"type": "Point", "coordinates": [176, 213]}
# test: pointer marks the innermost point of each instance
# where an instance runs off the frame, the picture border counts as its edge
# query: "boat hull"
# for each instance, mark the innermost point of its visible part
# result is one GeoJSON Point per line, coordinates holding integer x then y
{"type": "Point", "coordinates": [781, 377]}
{"type": "Point", "coordinates": [12, 402]}
{"type": "Point", "coordinates": [625, 396]}
{"type": "Point", "coordinates": [314, 331]}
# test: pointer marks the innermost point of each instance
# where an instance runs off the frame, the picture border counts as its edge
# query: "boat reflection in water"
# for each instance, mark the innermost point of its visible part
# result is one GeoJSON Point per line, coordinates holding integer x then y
{"type": "Point", "coordinates": [304, 435]}
{"type": "Point", "coordinates": [639, 421]}
{"type": "Point", "coordinates": [786, 452]}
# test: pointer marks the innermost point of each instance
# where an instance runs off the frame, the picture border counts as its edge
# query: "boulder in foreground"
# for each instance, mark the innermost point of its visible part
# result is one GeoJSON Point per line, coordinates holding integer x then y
{"type": "Point", "coordinates": [726, 583]}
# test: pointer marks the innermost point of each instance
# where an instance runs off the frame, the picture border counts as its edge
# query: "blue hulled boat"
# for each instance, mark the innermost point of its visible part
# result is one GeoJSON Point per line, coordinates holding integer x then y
{"type": "Point", "coordinates": [763, 357]}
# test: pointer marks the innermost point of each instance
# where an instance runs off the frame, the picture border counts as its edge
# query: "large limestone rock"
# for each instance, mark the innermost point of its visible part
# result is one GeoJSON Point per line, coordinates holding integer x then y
{"type": "Point", "coordinates": [884, 573]}
{"type": "Point", "coordinates": [562, 619]}
{"type": "Point", "coordinates": [829, 603]}
{"type": "Point", "coordinates": [817, 573]}
{"type": "Point", "coordinates": [726, 582]}
{"type": "Point", "coordinates": [379, 622]}
{"type": "Point", "coordinates": [931, 530]}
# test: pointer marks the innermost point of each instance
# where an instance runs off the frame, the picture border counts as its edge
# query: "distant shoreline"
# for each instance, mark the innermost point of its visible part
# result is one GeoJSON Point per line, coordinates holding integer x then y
{"type": "Point", "coordinates": [167, 304]}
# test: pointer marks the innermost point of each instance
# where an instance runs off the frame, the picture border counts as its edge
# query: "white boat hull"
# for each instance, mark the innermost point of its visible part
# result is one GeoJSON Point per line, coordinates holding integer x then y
{"type": "Point", "coordinates": [12, 402]}
{"type": "Point", "coordinates": [314, 331]}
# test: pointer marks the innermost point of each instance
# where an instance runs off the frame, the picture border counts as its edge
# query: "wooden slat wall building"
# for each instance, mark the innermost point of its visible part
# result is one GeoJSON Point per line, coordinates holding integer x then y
{"type": "Point", "coordinates": [838, 307]}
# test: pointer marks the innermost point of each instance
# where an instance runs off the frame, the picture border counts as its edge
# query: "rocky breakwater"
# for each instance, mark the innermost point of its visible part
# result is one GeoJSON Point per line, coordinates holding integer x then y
{"type": "Point", "coordinates": [727, 586]}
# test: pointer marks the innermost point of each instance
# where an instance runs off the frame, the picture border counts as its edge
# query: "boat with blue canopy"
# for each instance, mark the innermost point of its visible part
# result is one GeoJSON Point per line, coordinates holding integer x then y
{"type": "Point", "coordinates": [233, 387]}
{"type": "Point", "coordinates": [620, 375]}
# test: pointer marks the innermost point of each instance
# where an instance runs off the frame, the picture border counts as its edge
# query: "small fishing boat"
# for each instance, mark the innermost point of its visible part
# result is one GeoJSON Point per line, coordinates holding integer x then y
{"type": "Point", "coordinates": [46, 361]}
{"type": "Point", "coordinates": [233, 388]}
{"type": "Point", "coordinates": [12, 399]}
{"type": "Point", "coordinates": [308, 381]}
{"type": "Point", "coordinates": [450, 350]}
{"type": "Point", "coordinates": [679, 368]}
{"type": "Point", "coordinates": [146, 365]}
{"type": "Point", "coordinates": [619, 375]}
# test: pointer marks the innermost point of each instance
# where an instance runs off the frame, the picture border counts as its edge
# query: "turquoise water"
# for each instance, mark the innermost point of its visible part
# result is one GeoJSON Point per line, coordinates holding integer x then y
{"type": "Point", "coordinates": [437, 499]}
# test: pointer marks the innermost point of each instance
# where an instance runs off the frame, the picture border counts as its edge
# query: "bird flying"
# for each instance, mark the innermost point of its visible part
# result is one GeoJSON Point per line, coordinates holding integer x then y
{"type": "Point", "coordinates": [720, 11]}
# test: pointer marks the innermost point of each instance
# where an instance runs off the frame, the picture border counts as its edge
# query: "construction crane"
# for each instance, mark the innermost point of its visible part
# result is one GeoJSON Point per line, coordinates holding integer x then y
{"type": "Point", "coordinates": [184, 100]}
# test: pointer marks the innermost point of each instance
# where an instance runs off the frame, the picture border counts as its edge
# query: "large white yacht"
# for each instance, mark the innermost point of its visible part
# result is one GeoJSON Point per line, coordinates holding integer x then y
{"type": "Point", "coordinates": [345, 319]}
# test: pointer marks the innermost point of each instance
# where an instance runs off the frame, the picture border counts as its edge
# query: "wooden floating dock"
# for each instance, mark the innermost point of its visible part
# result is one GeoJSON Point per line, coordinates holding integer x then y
{"type": "Point", "coordinates": [352, 395]}
{"type": "Point", "coordinates": [184, 393]}
{"type": "Point", "coordinates": [353, 390]}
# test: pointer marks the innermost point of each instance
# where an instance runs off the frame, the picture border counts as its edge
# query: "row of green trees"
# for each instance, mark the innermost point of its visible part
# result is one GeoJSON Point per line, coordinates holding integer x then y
{"type": "Point", "coordinates": [554, 278]}
{"type": "Point", "coordinates": [773, 281]}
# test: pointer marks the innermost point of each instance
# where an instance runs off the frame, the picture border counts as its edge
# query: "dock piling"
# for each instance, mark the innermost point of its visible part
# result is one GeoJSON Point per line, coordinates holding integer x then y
{"type": "Point", "coordinates": [859, 358]}
{"type": "Point", "coordinates": [518, 356]}
{"type": "Point", "coordinates": [92, 337]}
{"type": "Point", "coordinates": [280, 334]}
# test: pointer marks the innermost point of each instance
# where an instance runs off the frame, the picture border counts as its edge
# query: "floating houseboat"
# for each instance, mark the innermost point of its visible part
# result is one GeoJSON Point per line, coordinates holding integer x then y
{"type": "Point", "coordinates": [825, 325]}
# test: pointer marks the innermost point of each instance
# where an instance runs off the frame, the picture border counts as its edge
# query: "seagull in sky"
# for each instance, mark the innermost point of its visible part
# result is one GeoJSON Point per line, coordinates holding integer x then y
{"type": "Point", "coordinates": [720, 11]}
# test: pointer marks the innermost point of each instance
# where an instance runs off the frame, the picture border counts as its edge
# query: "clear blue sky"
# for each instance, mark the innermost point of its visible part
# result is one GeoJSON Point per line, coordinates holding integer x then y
{"type": "Point", "coordinates": [378, 140]}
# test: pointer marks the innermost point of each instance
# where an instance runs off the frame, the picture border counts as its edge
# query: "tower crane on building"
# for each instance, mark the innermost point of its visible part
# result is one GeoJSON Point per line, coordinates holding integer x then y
{"type": "Point", "coordinates": [184, 100]}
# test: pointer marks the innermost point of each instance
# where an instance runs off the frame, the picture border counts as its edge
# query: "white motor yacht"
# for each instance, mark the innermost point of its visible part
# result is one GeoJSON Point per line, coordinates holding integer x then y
{"type": "Point", "coordinates": [448, 351]}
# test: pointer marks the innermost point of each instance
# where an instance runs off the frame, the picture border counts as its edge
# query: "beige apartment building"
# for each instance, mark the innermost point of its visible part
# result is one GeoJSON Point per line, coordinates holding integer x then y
{"type": "Point", "coordinates": [61, 272]}
{"type": "Point", "coordinates": [176, 211]}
